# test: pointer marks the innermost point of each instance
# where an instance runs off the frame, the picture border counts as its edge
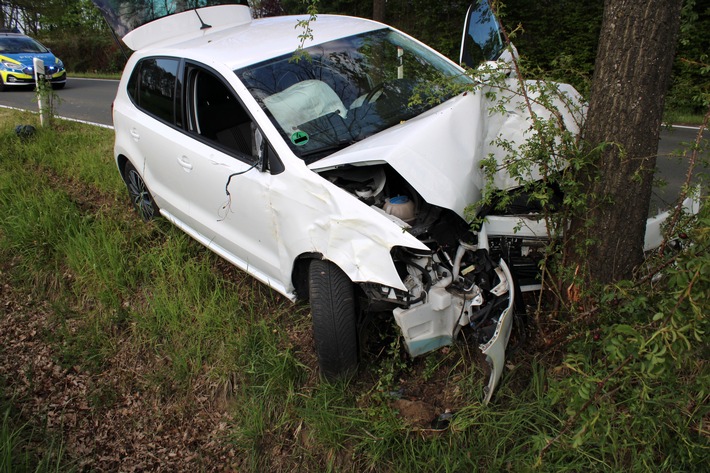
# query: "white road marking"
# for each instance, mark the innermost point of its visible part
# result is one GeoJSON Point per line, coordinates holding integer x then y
{"type": "Point", "coordinates": [101, 125]}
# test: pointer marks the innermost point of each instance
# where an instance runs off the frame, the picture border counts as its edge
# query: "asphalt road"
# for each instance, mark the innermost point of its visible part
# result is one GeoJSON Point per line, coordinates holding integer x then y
{"type": "Point", "coordinates": [672, 168]}
{"type": "Point", "coordinates": [90, 100]}
{"type": "Point", "coordinates": [81, 99]}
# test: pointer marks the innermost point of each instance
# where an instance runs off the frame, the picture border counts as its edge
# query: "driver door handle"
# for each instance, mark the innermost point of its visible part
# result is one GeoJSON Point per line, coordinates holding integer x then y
{"type": "Point", "coordinates": [184, 161]}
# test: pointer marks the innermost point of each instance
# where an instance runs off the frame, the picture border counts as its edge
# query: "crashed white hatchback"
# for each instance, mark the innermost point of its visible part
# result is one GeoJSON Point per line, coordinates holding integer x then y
{"type": "Point", "coordinates": [320, 177]}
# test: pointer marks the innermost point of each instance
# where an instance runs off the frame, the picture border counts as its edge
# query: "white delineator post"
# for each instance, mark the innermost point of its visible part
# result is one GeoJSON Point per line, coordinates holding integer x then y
{"type": "Point", "coordinates": [38, 65]}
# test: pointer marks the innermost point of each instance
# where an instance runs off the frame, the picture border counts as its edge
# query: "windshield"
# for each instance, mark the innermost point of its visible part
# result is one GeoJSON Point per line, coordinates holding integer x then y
{"type": "Point", "coordinates": [345, 90]}
{"type": "Point", "coordinates": [20, 44]}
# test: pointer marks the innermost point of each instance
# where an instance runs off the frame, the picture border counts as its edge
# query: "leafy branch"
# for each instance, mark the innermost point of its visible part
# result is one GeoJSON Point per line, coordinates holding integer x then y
{"type": "Point", "coordinates": [307, 33]}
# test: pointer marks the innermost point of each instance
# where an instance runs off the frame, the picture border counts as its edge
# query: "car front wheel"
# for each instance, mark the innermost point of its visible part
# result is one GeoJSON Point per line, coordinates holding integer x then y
{"type": "Point", "coordinates": [140, 195]}
{"type": "Point", "coordinates": [334, 319]}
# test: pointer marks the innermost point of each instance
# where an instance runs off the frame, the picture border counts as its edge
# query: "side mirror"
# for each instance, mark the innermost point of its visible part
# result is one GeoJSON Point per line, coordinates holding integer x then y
{"type": "Point", "coordinates": [258, 143]}
{"type": "Point", "coordinates": [481, 39]}
{"type": "Point", "coordinates": [266, 156]}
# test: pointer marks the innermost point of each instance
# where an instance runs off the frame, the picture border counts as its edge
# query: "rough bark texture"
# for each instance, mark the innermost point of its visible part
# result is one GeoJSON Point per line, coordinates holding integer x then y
{"type": "Point", "coordinates": [631, 77]}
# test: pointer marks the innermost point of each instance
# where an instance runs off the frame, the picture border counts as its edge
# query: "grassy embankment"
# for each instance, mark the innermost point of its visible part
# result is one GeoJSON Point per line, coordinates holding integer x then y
{"type": "Point", "coordinates": [204, 341]}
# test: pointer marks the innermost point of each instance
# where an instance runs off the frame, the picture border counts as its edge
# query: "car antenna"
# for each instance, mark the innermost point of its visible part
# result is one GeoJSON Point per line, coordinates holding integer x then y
{"type": "Point", "coordinates": [204, 25]}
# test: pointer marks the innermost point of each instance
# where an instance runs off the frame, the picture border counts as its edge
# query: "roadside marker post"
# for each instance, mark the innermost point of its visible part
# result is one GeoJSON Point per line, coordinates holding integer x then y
{"type": "Point", "coordinates": [38, 65]}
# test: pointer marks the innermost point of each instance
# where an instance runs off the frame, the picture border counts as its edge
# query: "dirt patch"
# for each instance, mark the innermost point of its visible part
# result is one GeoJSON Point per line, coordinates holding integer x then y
{"type": "Point", "coordinates": [113, 420]}
{"type": "Point", "coordinates": [416, 413]}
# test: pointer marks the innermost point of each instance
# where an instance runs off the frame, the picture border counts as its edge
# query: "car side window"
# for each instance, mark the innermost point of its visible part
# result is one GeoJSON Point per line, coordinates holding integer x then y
{"type": "Point", "coordinates": [215, 114]}
{"type": "Point", "coordinates": [153, 86]}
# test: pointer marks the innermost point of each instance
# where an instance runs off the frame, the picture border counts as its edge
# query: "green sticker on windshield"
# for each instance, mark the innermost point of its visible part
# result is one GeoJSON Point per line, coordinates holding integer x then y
{"type": "Point", "coordinates": [299, 138]}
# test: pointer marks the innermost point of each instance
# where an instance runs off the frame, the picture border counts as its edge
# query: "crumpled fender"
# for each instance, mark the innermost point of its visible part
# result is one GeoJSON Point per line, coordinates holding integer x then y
{"type": "Point", "coordinates": [344, 230]}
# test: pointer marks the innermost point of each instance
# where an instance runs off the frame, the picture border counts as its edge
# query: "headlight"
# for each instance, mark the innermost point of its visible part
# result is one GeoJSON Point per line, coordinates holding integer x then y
{"type": "Point", "coordinates": [12, 66]}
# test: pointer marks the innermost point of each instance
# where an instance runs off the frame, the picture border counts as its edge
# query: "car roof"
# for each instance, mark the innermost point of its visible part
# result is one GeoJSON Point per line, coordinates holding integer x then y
{"type": "Point", "coordinates": [249, 42]}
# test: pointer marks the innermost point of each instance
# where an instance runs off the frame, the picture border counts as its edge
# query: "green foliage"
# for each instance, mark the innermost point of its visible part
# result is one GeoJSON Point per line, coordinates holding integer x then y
{"type": "Point", "coordinates": [86, 52]}
{"type": "Point", "coordinates": [639, 381]}
{"type": "Point", "coordinates": [558, 39]}
{"type": "Point", "coordinates": [690, 91]}
{"type": "Point", "coordinates": [306, 27]}
{"type": "Point", "coordinates": [25, 448]}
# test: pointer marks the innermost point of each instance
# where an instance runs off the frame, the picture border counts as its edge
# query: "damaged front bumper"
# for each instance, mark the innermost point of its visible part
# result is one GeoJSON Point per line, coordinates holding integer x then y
{"type": "Point", "coordinates": [475, 287]}
{"type": "Point", "coordinates": [449, 292]}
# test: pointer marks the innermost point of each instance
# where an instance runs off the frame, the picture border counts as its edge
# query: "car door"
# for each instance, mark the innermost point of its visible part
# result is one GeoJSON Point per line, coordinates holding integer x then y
{"type": "Point", "coordinates": [223, 178]}
{"type": "Point", "coordinates": [481, 39]}
{"type": "Point", "coordinates": [154, 136]}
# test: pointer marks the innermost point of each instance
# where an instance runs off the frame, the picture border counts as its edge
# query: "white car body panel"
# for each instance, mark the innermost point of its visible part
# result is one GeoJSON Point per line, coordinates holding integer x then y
{"type": "Point", "coordinates": [494, 349]}
{"type": "Point", "coordinates": [436, 152]}
{"type": "Point", "coordinates": [439, 152]}
{"type": "Point", "coordinates": [654, 225]}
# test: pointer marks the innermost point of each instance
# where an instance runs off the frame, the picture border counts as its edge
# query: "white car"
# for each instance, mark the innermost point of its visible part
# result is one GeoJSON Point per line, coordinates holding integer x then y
{"type": "Point", "coordinates": [316, 174]}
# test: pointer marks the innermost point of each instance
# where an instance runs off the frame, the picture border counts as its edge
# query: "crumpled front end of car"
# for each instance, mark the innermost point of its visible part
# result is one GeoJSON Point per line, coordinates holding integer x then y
{"type": "Point", "coordinates": [448, 291]}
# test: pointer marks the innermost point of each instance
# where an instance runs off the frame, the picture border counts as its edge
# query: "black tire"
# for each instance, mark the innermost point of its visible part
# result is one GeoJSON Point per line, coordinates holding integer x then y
{"type": "Point", "coordinates": [140, 196]}
{"type": "Point", "coordinates": [58, 86]}
{"type": "Point", "coordinates": [2, 85]}
{"type": "Point", "coordinates": [332, 298]}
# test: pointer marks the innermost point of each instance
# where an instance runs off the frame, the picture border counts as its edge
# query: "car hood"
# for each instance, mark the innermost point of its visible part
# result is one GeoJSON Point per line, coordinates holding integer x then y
{"type": "Point", "coordinates": [440, 152]}
{"type": "Point", "coordinates": [26, 58]}
{"type": "Point", "coordinates": [436, 152]}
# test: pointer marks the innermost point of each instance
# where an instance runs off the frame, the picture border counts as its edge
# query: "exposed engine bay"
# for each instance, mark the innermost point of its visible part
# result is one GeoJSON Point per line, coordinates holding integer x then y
{"type": "Point", "coordinates": [457, 283]}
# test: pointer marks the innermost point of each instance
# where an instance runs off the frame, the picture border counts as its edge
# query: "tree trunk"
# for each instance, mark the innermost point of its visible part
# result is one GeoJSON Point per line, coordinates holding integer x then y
{"type": "Point", "coordinates": [378, 10]}
{"type": "Point", "coordinates": [631, 77]}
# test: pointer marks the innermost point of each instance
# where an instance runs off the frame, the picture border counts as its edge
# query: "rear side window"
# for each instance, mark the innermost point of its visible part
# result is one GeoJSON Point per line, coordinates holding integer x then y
{"type": "Point", "coordinates": [153, 87]}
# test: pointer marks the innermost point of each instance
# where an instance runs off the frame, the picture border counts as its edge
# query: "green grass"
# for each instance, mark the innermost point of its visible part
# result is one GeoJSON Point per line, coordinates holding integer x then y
{"type": "Point", "coordinates": [95, 75]}
{"type": "Point", "coordinates": [25, 448]}
{"type": "Point", "coordinates": [115, 283]}
{"type": "Point", "coordinates": [677, 117]}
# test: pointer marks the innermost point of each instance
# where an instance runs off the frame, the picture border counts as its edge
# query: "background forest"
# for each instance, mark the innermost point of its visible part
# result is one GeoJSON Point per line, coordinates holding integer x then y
{"type": "Point", "coordinates": [556, 37]}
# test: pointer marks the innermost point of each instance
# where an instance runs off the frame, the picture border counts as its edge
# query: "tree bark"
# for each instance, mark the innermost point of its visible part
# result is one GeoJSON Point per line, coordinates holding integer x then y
{"type": "Point", "coordinates": [378, 10]}
{"type": "Point", "coordinates": [632, 73]}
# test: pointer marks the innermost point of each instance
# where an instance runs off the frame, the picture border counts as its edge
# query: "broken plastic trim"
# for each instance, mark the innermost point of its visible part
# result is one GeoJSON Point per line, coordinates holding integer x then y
{"type": "Point", "coordinates": [494, 349]}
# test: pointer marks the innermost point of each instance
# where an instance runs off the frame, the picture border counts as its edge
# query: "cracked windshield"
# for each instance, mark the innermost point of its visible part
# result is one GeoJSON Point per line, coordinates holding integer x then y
{"type": "Point", "coordinates": [343, 91]}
